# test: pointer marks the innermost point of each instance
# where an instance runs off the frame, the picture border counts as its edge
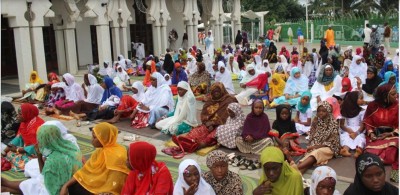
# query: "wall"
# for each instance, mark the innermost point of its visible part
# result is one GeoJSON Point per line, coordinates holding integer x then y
{"type": "Point", "coordinates": [176, 22]}
{"type": "Point", "coordinates": [83, 41]}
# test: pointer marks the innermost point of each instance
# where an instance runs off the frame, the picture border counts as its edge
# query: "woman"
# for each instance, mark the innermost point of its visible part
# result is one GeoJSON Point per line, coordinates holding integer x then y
{"type": "Point", "coordinates": [390, 78]}
{"type": "Point", "coordinates": [184, 116]}
{"type": "Point", "coordinates": [185, 44]}
{"type": "Point", "coordinates": [147, 176]}
{"type": "Point", "coordinates": [191, 66]}
{"type": "Point", "coordinates": [285, 53]}
{"type": "Point", "coordinates": [278, 177]}
{"type": "Point", "coordinates": [31, 91]}
{"type": "Point", "coordinates": [150, 69]}
{"type": "Point", "coordinates": [304, 113]}
{"type": "Point", "coordinates": [200, 80]}
{"type": "Point", "coordinates": [190, 180]}
{"type": "Point", "coordinates": [61, 163]}
{"type": "Point", "coordinates": [383, 112]}
{"type": "Point", "coordinates": [224, 76]}
{"type": "Point", "coordinates": [21, 149]}
{"type": "Point", "coordinates": [178, 74]}
{"type": "Point", "coordinates": [328, 83]}
{"type": "Point", "coordinates": [109, 89]}
{"type": "Point", "coordinates": [238, 38]}
{"type": "Point", "coordinates": [9, 123]}
{"type": "Point", "coordinates": [323, 181]}
{"type": "Point", "coordinates": [357, 71]}
{"type": "Point", "coordinates": [105, 171]}
{"type": "Point", "coordinates": [272, 53]}
{"type": "Point", "coordinates": [233, 67]}
{"type": "Point", "coordinates": [294, 63]}
{"type": "Point", "coordinates": [209, 41]}
{"type": "Point", "coordinates": [56, 94]}
{"type": "Point", "coordinates": [158, 102]}
{"type": "Point", "coordinates": [168, 65]}
{"type": "Point", "coordinates": [371, 83]}
{"type": "Point", "coordinates": [121, 78]}
{"type": "Point", "coordinates": [227, 133]}
{"type": "Point", "coordinates": [281, 66]}
{"type": "Point", "coordinates": [251, 73]}
{"type": "Point", "coordinates": [73, 92]}
{"type": "Point", "coordinates": [276, 87]}
{"type": "Point", "coordinates": [370, 177]}
{"type": "Point", "coordinates": [219, 177]}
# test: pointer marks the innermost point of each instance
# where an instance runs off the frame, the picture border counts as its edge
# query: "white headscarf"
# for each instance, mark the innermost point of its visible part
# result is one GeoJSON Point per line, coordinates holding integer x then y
{"type": "Point", "coordinates": [225, 78]}
{"type": "Point", "coordinates": [107, 71]}
{"type": "Point", "coordinates": [64, 131]}
{"type": "Point", "coordinates": [169, 82]}
{"type": "Point", "coordinates": [357, 70]}
{"type": "Point", "coordinates": [203, 188]}
{"type": "Point", "coordinates": [123, 76]}
{"type": "Point", "coordinates": [73, 91]}
{"type": "Point", "coordinates": [95, 91]}
{"type": "Point", "coordinates": [319, 174]}
{"type": "Point", "coordinates": [139, 96]}
{"type": "Point", "coordinates": [191, 65]}
{"type": "Point", "coordinates": [283, 63]}
{"type": "Point", "coordinates": [247, 77]}
{"type": "Point", "coordinates": [157, 97]}
{"type": "Point", "coordinates": [121, 62]}
{"type": "Point", "coordinates": [258, 61]}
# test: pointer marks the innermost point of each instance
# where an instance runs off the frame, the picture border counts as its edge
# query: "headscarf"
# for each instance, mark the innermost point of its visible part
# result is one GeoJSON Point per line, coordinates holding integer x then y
{"type": "Point", "coordinates": [233, 125]}
{"type": "Point", "coordinates": [168, 65]}
{"type": "Point", "coordinates": [64, 131]}
{"type": "Point", "coordinates": [247, 77]}
{"type": "Point", "coordinates": [95, 91]}
{"type": "Point", "coordinates": [162, 92]}
{"type": "Point", "coordinates": [53, 78]}
{"type": "Point", "coordinates": [294, 85]}
{"type": "Point", "coordinates": [323, 79]}
{"type": "Point", "coordinates": [63, 161]}
{"type": "Point", "coordinates": [281, 66]}
{"type": "Point", "coordinates": [259, 82]}
{"type": "Point", "coordinates": [388, 75]}
{"type": "Point", "coordinates": [325, 131]}
{"type": "Point", "coordinates": [320, 174]}
{"type": "Point", "coordinates": [349, 107]}
{"type": "Point", "coordinates": [289, 181]}
{"type": "Point", "coordinates": [381, 96]}
{"type": "Point", "coordinates": [277, 89]}
{"type": "Point", "coordinates": [37, 79]}
{"type": "Point", "coordinates": [284, 126]}
{"type": "Point", "coordinates": [111, 89]}
{"type": "Point", "coordinates": [346, 82]}
{"type": "Point", "coordinates": [363, 162]}
{"type": "Point", "coordinates": [203, 187]}
{"type": "Point", "coordinates": [358, 70]}
{"type": "Point", "coordinates": [178, 76]}
{"type": "Point", "coordinates": [335, 107]}
{"type": "Point", "coordinates": [358, 51]}
{"type": "Point", "coordinates": [216, 156]}
{"type": "Point", "coordinates": [303, 108]}
{"type": "Point", "coordinates": [225, 77]}
{"type": "Point", "coordinates": [146, 80]}
{"type": "Point", "coordinates": [106, 169]}
{"type": "Point", "coordinates": [28, 128]}
{"type": "Point", "coordinates": [385, 69]}
{"type": "Point", "coordinates": [73, 91]}
{"type": "Point", "coordinates": [139, 96]}
{"type": "Point", "coordinates": [9, 119]}
{"type": "Point", "coordinates": [256, 125]}
{"type": "Point", "coordinates": [371, 84]}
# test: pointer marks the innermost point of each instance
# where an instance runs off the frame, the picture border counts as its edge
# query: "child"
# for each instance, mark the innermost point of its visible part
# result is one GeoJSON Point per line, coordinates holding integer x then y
{"type": "Point", "coordinates": [352, 136]}
{"type": "Point", "coordinates": [324, 138]}
{"type": "Point", "coordinates": [309, 70]}
{"type": "Point", "coordinates": [304, 113]}
{"type": "Point", "coordinates": [167, 79]}
{"type": "Point", "coordinates": [227, 133]}
{"type": "Point", "coordinates": [255, 137]}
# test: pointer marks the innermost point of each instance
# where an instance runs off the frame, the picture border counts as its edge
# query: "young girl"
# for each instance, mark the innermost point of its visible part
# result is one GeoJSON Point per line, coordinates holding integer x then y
{"type": "Point", "coordinates": [304, 113]}
{"type": "Point", "coordinates": [324, 139]}
{"type": "Point", "coordinates": [255, 137]}
{"type": "Point", "coordinates": [227, 133]}
{"type": "Point", "coordinates": [352, 136]}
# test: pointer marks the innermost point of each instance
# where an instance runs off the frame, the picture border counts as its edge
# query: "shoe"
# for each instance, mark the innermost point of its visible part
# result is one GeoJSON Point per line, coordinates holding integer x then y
{"type": "Point", "coordinates": [246, 164]}
{"type": "Point", "coordinates": [230, 157]}
{"type": "Point", "coordinates": [237, 161]}
{"type": "Point", "coordinates": [345, 152]}
{"type": "Point", "coordinates": [131, 138]}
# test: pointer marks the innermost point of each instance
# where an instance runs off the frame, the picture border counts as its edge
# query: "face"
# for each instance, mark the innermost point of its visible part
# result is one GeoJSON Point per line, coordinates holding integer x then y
{"type": "Point", "coordinates": [322, 113]}
{"type": "Point", "coordinates": [231, 60]}
{"type": "Point", "coordinates": [231, 113]}
{"type": "Point", "coordinates": [265, 64]}
{"type": "Point", "coordinates": [393, 96]}
{"type": "Point", "coordinates": [297, 75]}
{"type": "Point", "coordinates": [258, 108]}
{"type": "Point", "coordinates": [63, 79]}
{"type": "Point", "coordinates": [95, 142]}
{"type": "Point", "coordinates": [158, 69]}
{"type": "Point", "coordinates": [33, 76]}
{"type": "Point", "coordinates": [103, 85]}
{"type": "Point", "coordinates": [119, 69]}
{"type": "Point", "coordinates": [272, 170]}
{"type": "Point", "coordinates": [191, 175]}
{"type": "Point", "coordinates": [178, 69]}
{"type": "Point", "coordinates": [222, 70]}
{"type": "Point", "coordinates": [219, 170]}
{"type": "Point", "coordinates": [358, 61]}
{"type": "Point", "coordinates": [373, 178]}
{"type": "Point", "coordinates": [370, 75]}
{"type": "Point", "coordinates": [360, 100]}
{"type": "Point", "coordinates": [284, 114]}
{"type": "Point", "coordinates": [134, 90]}
{"type": "Point", "coordinates": [216, 93]}
{"type": "Point", "coordinates": [181, 91]}
{"type": "Point", "coordinates": [326, 187]}
{"type": "Point", "coordinates": [390, 67]}
{"type": "Point", "coordinates": [86, 80]}
{"type": "Point", "coordinates": [305, 100]}
{"type": "Point", "coordinates": [166, 78]}
{"type": "Point", "coordinates": [252, 72]}
{"type": "Point", "coordinates": [19, 116]}
{"type": "Point", "coordinates": [279, 60]}
{"type": "Point", "coordinates": [328, 71]}
{"type": "Point", "coordinates": [392, 80]}
{"type": "Point", "coordinates": [153, 81]}
{"type": "Point", "coordinates": [274, 81]}
{"type": "Point", "coordinates": [105, 65]}
{"type": "Point", "coordinates": [345, 87]}
{"type": "Point", "coordinates": [215, 67]}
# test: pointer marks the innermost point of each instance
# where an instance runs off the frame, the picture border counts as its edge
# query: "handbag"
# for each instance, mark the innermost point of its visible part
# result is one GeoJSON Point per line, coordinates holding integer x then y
{"type": "Point", "coordinates": [186, 145]}
{"type": "Point", "coordinates": [382, 129]}
{"type": "Point", "coordinates": [5, 164]}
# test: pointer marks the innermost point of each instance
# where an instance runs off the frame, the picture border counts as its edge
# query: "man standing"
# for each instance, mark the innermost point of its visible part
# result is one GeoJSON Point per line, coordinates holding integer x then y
{"type": "Point", "coordinates": [375, 40]}
{"type": "Point", "coordinates": [386, 35]}
{"type": "Point", "coordinates": [330, 36]}
{"type": "Point", "coordinates": [367, 35]}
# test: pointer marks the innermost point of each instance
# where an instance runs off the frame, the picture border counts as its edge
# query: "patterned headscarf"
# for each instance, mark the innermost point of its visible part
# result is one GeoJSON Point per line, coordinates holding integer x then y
{"type": "Point", "coordinates": [216, 156]}
{"type": "Point", "coordinates": [322, 78]}
{"type": "Point", "coordinates": [322, 173]}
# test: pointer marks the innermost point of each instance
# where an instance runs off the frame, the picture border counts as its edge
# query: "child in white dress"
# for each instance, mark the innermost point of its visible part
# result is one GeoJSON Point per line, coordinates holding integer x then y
{"type": "Point", "coordinates": [304, 113]}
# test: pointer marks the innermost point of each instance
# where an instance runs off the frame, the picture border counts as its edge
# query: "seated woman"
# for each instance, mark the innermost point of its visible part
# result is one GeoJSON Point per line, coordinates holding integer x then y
{"type": "Point", "coordinates": [61, 163]}
{"type": "Point", "coordinates": [278, 177]}
{"type": "Point", "coordinates": [371, 83]}
{"type": "Point", "coordinates": [352, 128]}
{"type": "Point", "coordinates": [227, 133]}
{"type": "Point", "coordinates": [233, 67]}
{"type": "Point", "coordinates": [324, 139]}
{"type": "Point", "coordinates": [183, 119]}
{"type": "Point", "coordinates": [219, 177]}
{"type": "Point", "coordinates": [224, 76]}
{"type": "Point", "coordinates": [272, 53]}
{"type": "Point", "coordinates": [56, 93]}
{"type": "Point", "coordinates": [147, 176]}
{"type": "Point", "coordinates": [21, 149]}
{"type": "Point", "coordinates": [150, 68]}
{"type": "Point", "coordinates": [32, 92]}
{"type": "Point", "coordinates": [158, 102]}
{"type": "Point", "coordinates": [190, 180]}
{"type": "Point", "coordinates": [370, 166]}
{"type": "Point", "coordinates": [200, 80]}
{"type": "Point", "coordinates": [281, 66]}
{"type": "Point", "coordinates": [295, 63]}
{"type": "Point", "coordinates": [178, 75]}
{"type": "Point", "coordinates": [261, 83]}
{"type": "Point", "coordinates": [304, 113]}
{"type": "Point", "coordinates": [121, 78]}
{"type": "Point", "coordinates": [323, 181]}
{"type": "Point", "coordinates": [9, 123]}
{"type": "Point", "coordinates": [295, 85]}
{"type": "Point", "coordinates": [357, 71]}
{"type": "Point", "coordinates": [251, 74]}
{"type": "Point", "coordinates": [388, 66]}
{"type": "Point", "coordinates": [276, 87]}
{"type": "Point", "coordinates": [106, 170]}
{"type": "Point", "coordinates": [254, 137]}
{"type": "Point", "coordinates": [328, 83]}
{"type": "Point", "coordinates": [390, 78]}
{"type": "Point", "coordinates": [383, 113]}
{"type": "Point", "coordinates": [213, 114]}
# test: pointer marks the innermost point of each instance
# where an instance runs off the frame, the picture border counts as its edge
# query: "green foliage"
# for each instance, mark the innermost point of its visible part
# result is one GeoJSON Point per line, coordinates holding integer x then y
{"type": "Point", "coordinates": [278, 9]}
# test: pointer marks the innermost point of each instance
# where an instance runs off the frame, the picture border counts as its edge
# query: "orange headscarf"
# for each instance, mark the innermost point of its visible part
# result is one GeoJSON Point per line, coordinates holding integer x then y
{"type": "Point", "coordinates": [146, 80]}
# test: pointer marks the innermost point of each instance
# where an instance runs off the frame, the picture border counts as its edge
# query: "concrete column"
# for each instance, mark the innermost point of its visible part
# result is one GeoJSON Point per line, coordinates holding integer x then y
{"type": "Point", "coordinates": [221, 34]}
{"type": "Point", "coordinates": [190, 35]}
{"type": "Point", "coordinates": [103, 43]}
{"type": "Point", "coordinates": [38, 57]}
{"type": "Point", "coordinates": [124, 42]}
{"type": "Point", "coordinates": [156, 40]}
{"type": "Point", "coordinates": [24, 55]}
{"type": "Point", "coordinates": [70, 51]}
{"type": "Point", "coordinates": [195, 33]}
{"type": "Point", "coordinates": [62, 64]}
{"type": "Point", "coordinates": [164, 39]}
{"type": "Point", "coordinates": [116, 43]}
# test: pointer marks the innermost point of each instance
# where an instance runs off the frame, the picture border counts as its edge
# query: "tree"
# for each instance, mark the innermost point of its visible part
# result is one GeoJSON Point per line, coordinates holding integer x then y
{"type": "Point", "coordinates": [278, 9]}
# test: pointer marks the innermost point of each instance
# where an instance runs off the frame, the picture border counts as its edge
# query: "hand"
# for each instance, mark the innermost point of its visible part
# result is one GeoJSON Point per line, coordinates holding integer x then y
{"type": "Point", "coordinates": [264, 188]}
{"type": "Point", "coordinates": [83, 85]}
{"type": "Point", "coordinates": [249, 138]}
{"type": "Point", "coordinates": [318, 99]}
{"type": "Point", "coordinates": [353, 135]}
{"type": "Point", "coordinates": [191, 191]}
{"type": "Point", "coordinates": [372, 136]}
{"type": "Point", "coordinates": [384, 135]}
{"type": "Point", "coordinates": [102, 108]}
{"type": "Point", "coordinates": [243, 86]}
{"type": "Point", "coordinates": [310, 148]}
{"type": "Point", "coordinates": [64, 190]}
{"type": "Point", "coordinates": [38, 153]}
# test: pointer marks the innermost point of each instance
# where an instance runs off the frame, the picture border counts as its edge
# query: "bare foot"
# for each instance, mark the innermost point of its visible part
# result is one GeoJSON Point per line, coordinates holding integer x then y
{"type": "Point", "coordinates": [56, 111]}
{"type": "Point", "coordinates": [49, 111]}
{"type": "Point", "coordinates": [74, 115]}
{"type": "Point", "coordinates": [113, 120]}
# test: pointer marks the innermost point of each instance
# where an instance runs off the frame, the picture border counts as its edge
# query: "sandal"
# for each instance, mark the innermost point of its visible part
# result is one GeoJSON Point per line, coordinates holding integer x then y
{"type": "Point", "coordinates": [237, 161]}
{"type": "Point", "coordinates": [174, 150]}
{"type": "Point", "coordinates": [246, 164]}
{"type": "Point", "coordinates": [131, 138]}
{"type": "Point", "coordinates": [230, 157]}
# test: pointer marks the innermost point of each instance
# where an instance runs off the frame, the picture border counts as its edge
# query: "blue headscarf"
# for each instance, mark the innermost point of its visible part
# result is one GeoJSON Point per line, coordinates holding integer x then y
{"type": "Point", "coordinates": [267, 42]}
{"type": "Point", "coordinates": [299, 32]}
{"type": "Point", "coordinates": [296, 85]}
{"type": "Point", "coordinates": [388, 75]}
{"type": "Point", "coordinates": [385, 69]}
{"type": "Point", "coordinates": [111, 89]}
{"type": "Point", "coordinates": [303, 108]}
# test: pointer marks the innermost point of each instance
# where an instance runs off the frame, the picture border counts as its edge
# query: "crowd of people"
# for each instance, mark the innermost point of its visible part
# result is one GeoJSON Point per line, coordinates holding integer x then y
{"type": "Point", "coordinates": [341, 101]}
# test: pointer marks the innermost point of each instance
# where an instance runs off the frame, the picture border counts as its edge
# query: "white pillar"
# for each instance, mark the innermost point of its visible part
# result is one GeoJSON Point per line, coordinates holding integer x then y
{"type": "Point", "coordinates": [24, 55]}
{"type": "Point", "coordinates": [70, 51]}
{"type": "Point", "coordinates": [221, 34]}
{"type": "Point", "coordinates": [156, 40]}
{"type": "Point", "coordinates": [103, 43]}
{"type": "Point", "coordinates": [124, 42]}
{"type": "Point", "coordinates": [116, 42]}
{"type": "Point", "coordinates": [38, 57]}
{"type": "Point", "coordinates": [61, 61]}
{"type": "Point", "coordinates": [190, 35]}
{"type": "Point", "coordinates": [164, 39]}
{"type": "Point", "coordinates": [195, 33]}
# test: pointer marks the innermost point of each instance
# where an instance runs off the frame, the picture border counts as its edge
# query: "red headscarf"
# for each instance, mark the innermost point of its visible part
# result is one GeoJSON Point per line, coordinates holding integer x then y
{"type": "Point", "coordinates": [142, 157]}
{"type": "Point", "coordinates": [346, 82]}
{"type": "Point", "coordinates": [260, 81]}
{"type": "Point", "coordinates": [53, 78]}
{"type": "Point", "coordinates": [358, 51]}
{"type": "Point", "coordinates": [30, 125]}
{"type": "Point", "coordinates": [177, 64]}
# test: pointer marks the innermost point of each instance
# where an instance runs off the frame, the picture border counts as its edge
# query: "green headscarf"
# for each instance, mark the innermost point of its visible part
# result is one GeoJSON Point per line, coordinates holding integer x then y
{"type": "Point", "coordinates": [290, 180]}
{"type": "Point", "coordinates": [63, 159]}
{"type": "Point", "coordinates": [303, 108]}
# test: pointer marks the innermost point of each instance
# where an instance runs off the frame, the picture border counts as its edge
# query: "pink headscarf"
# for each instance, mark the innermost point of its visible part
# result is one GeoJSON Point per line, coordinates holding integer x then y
{"type": "Point", "coordinates": [335, 107]}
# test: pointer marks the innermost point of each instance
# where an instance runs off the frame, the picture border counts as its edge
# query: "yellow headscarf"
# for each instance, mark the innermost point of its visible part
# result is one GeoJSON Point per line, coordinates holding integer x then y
{"type": "Point", "coordinates": [277, 90]}
{"type": "Point", "coordinates": [290, 181]}
{"type": "Point", "coordinates": [106, 169]}
{"type": "Point", "coordinates": [37, 79]}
